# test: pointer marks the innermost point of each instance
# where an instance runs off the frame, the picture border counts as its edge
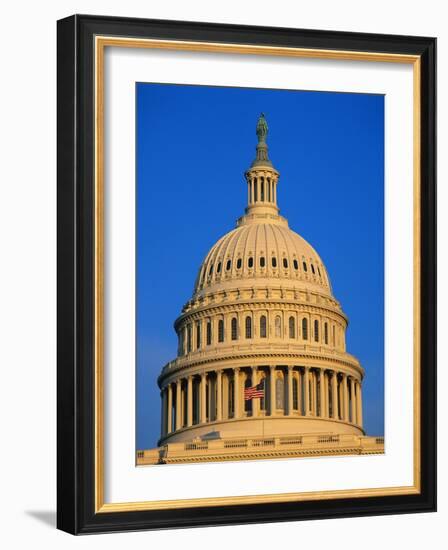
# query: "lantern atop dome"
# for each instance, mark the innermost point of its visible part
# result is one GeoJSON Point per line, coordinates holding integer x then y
{"type": "Point", "coordinates": [262, 177]}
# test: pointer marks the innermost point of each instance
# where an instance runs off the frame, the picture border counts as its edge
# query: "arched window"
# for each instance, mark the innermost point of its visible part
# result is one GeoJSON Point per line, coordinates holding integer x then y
{"type": "Point", "coordinates": [220, 330]}
{"type": "Point", "coordinates": [279, 393]}
{"type": "Point", "coordinates": [262, 261]}
{"type": "Point", "coordinates": [209, 332]}
{"type": "Point", "coordinates": [278, 326]}
{"type": "Point", "coordinates": [188, 338]}
{"type": "Point", "coordinates": [274, 261]}
{"type": "Point", "coordinates": [285, 263]}
{"type": "Point", "coordinates": [263, 326]}
{"type": "Point", "coordinates": [238, 263]}
{"type": "Point", "coordinates": [296, 264]}
{"type": "Point", "coordinates": [305, 328]}
{"type": "Point", "coordinates": [326, 333]}
{"type": "Point", "coordinates": [234, 327]}
{"type": "Point", "coordinates": [248, 327]}
{"type": "Point", "coordinates": [305, 268]}
{"type": "Point", "coordinates": [250, 262]}
{"type": "Point", "coordinates": [292, 327]}
{"type": "Point", "coordinates": [316, 330]}
{"type": "Point", "coordinates": [198, 335]}
{"type": "Point", "coordinates": [228, 265]}
{"type": "Point", "coordinates": [295, 393]}
{"type": "Point", "coordinates": [218, 268]}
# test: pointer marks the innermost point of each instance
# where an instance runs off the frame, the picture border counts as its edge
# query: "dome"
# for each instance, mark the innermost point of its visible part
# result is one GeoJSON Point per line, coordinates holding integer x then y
{"type": "Point", "coordinates": [262, 319]}
{"type": "Point", "coordinates": [262, 253]}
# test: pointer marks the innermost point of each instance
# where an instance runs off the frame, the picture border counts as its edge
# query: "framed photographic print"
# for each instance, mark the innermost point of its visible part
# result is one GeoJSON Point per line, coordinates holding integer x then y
{"type": "Point", "coordinates": [246, 274]}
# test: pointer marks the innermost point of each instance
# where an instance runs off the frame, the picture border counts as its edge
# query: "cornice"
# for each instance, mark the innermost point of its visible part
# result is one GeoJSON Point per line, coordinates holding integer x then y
{"type": "Point", "coordinates": [279, 357]}
{"type": "Point", "coordinates": [257, 304]}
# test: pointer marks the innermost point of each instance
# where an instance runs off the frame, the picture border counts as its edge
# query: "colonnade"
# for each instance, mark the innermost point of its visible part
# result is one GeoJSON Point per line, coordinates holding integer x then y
{"type": "Point", "coordinates": [218, 395]}
{"type": "Point", "coordinates": [261, 188]}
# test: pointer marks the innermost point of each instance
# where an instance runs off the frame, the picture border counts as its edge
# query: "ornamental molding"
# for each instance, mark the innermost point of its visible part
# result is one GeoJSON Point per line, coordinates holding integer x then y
{"type": "Point", "coordinates": [215, 457]}
{"type": "Point", "coordinates": [202, 312]}
{"type": "Point", "coordinates": [171, 371]}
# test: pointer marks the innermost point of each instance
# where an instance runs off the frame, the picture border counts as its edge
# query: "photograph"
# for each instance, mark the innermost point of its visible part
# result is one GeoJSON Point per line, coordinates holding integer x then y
{"type": "Point", "coordinates": [259, 274]}
{"type": "Point", "coordinates": [246, 274]}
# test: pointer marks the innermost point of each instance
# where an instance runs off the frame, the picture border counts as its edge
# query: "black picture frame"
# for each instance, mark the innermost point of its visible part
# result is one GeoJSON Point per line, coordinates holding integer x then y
{"type": "Point", "coordinates": [76, 254]}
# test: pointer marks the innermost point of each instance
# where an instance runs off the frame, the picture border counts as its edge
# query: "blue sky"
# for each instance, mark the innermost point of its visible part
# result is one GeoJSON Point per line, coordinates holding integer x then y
{"type": "Point", "coordinates": [193, 145]}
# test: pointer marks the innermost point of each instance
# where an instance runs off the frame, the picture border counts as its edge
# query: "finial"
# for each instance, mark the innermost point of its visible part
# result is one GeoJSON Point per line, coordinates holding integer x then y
{"type": "Point", "coordinates": [262, 157]}
{"type": "Point", "coordinates": [262, 179]}
{"type": "Point", "coordinates": [262, 128]}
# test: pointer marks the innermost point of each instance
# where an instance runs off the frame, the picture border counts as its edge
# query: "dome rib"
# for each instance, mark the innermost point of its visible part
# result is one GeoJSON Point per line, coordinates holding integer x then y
{"type": "Point", "coordinates": [251, 240]}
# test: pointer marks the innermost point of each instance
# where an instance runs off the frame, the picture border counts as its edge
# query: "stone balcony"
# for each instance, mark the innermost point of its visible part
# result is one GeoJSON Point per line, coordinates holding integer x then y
{"type": "Point", "coordinates": [224, 351]}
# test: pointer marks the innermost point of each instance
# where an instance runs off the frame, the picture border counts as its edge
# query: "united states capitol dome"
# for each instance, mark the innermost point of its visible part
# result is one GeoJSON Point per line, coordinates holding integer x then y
{"type": "Point", "coordinates": [262, 318]}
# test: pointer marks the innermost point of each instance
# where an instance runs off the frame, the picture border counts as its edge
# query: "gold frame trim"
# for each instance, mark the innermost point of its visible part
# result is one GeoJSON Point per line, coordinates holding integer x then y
{"type": "Point", "coordinates": [101, 42]}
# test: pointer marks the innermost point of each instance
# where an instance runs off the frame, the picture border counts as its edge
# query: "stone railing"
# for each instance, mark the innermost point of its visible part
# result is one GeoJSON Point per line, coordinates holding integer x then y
{"type": "Point", "coordinates": [222, 351]}
{"type": "Point", "coordinates": [292, 445]}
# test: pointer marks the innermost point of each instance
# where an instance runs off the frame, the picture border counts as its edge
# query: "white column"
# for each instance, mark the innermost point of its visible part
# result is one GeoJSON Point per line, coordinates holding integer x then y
{"type": "Point", "coordinates": [312, 381]}
{"type": "Point", "coordinates": [290, 407]}
{"type": "Point", "coordinates": [359, 404]}
{"type": "Point", "coordinates": [345, 393]}
{"type": "Point", "coordinates": [322, 399]}
{"type": "Point", "coordinates": [306, 383]}
{"type": "Point", "coordinates": [219, 395]}
{"type": "Point", "coordinates": [178, 405]}
{"type": "Point", "coordinates": [334, 395]}
{"type": "Point", "coordinates": [190, 401]}
{"type": "Point", "coordinates": [340, 400]}
{"type": "Point", "coordinates": [170, 409]}
{"type": "Point", "coordinates": [272, 390]}
{"type": "Point", "coordinates": [203, 397]}
{"type": "Point", "coordinates": [353, 400]}
{"type": "Point", "coordinates": [256, 400]}
{"type": "Point", "coordinates": [163, 414]}
{"type": "Point", "coordinates": [236, 391]}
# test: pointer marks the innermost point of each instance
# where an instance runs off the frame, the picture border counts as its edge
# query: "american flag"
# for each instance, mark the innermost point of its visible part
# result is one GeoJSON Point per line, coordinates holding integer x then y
{"type": "Point", "coordinates": [254, 391]}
